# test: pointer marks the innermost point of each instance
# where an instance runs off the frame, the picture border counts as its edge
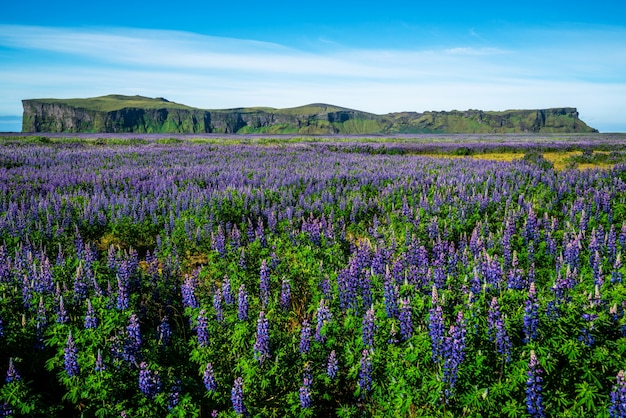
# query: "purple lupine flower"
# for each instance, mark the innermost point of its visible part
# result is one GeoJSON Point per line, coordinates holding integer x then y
{"type": "Point", "coordinates": [262, 344]}
{"type": "Point", "coordinates": [100, 367]}
{"type": "Point", "coordinates": [305, 389]}
{"type": "Point", "coordinates": [165, 332]}
{"type": "Point", "coordinates": [534, 400]}
{"type": "Point", "coordinates": [260, 233]}
{"type": "Point", "coordinates": [149, 381]}
{"type": "Point", "coordinates": [174, 396]}
{"type": "Point", "coordinates": [454, 354]}
{"type": "Point", "coordinates": [617, 409]}
{"type": "Point", "coordinates": [90, 317]}
{"type": "Point", "coordinates": [406, 324]}
{"type": "Point", "coordinates": [378, 261]}
{"type": "Point", "coordinates": [242, 259]}
{"type": "Point", "coordinates": [274, 261]}
{"type": "Point", "coordinates": [393, 335]}
{"type": "Point", "coordinates": [132, 344]}
{"type": "Point", "coordinates": [26, 293]}
{"type": "Point", "coordinates": [45, 276]}
{"type": "Point", "coordinates": [391, 295]}
{"type": "Point", "coordinates": [365, 374]}
{"type": "Point", "coordinates": [80, 286]}
{"type": "Point", "coordinates": [332, 365]}
{"type": "Point", "coordinates": [226, 292]}
{"type": "Point", "coordinates": [235, 237]}
{"type": "Point", "coordinates": [326, 290]}
{"type": "Point", "coordinates": [219, 243]}
{"type": "Point", "coordinates": [236, 397]}
{"type": "Point", "coordinates": [5, 410]}
{"type": "Point", "coordinates": [1, 328]}
{"type": "Point", "coordinates": [586, 332]}
{"type": "Point", "coordinates": [305, 337]}
{"type": "Point", "coordinates": [12, 373]}
{"type": "Point", "coordinates": [285, 295]}
{"type": "Point", "coordinates": [616, 274]}
{"type": "Point", "coordinates": [347, 281]}
{"type": "Point", "coordinates": [435, 327]}
{"type": "Point", "coordinates": [242, 300]}
{"type": "Point", "coordinates": [369, 328]}
{"type": "Point", "coordinates": [201, 329]}
{"type": "Point", "coordinates": [217, 305]}
{"type": "Point", "coordinates": [531, 320]}
{"type": "Point", "coordinates": [70, 358]}
{"type": "Point", "coordinates": [42, 315]}
{"type": "Point", "coordinates": [264, 283]}
{"type": "Point", "coordinates": [475, 284]}
{"type": "Point", "coordinates": [497, 326]}
{"type": "Point", "coordinates": [208, 378]}
{"type": "Point", "coordinates": [188, 290]}
{"type": "Point", "coordinates": [323, 317]}
{"type": "Point", "coordinates": [122, 291]}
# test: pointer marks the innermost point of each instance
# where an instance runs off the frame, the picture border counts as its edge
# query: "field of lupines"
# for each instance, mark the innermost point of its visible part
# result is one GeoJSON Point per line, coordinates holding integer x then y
{"type": "Point", "coordinates": [307, 279]}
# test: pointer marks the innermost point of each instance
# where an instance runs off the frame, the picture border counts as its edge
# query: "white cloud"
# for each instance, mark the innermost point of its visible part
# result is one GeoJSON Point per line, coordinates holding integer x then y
{"type": "Point", "coordinates": [213, 72]}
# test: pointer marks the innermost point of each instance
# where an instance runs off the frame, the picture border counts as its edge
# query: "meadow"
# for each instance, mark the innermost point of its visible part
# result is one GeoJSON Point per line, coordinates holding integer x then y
{"type": "Point", "coordinates": [256, 276]}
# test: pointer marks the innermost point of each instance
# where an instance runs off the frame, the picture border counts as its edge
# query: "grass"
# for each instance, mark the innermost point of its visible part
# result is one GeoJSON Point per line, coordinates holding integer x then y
{"type": "Point", "coordinates": [117, 102]}
{"type": "Point", "coordinates": [560, 159]}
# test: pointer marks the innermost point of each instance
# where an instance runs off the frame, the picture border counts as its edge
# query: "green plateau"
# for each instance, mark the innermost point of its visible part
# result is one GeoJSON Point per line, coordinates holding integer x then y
{"type": "Point", "coordinates": [138, 114]}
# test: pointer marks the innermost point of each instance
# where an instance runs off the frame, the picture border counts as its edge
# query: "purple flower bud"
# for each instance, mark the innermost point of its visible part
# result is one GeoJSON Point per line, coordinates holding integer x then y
{"type": "Point", "coordinates": [369, 328]}
{"type": "Point", "coordinates": [617, 409]}
{"type": "Point", "coordinates": [332, 366]}
{"type": "Point", "coordinates": [406, 324]}
{"type": "Point", "coordinates": [201, 329]}
{"type": "Point", "coordinates": [90, 317]}
{"type": "Point", "coordinates": [305, 389]}
{"type": "Point", "coordinates": [209, 379]}
{"type": "Point", "coordinates": [305, 337]}
{"type": "Point", "coordinates": [226, 292]}
{"type": "Point", "coordinates": [100, 367]}
{"type": "Point", "coordinates": [285, 295]}
{"type": "Point", "coordinates": [165, 332]}
{"type": "Point", "coordinates": [122, 291]}
{"type": "Point", "coordinates": [531, 321]}
{"type": "Point", "coordinates": [236, 396]}
{"type": "Point", "coordinates": [132, 342]}
{"type": "Point", "coordinates": [149, 381]}
{"type": "Point", "coordinates": [217, 305]}
{"type": "Point", "coordinates": [188, 290]}
{"type": "Point", "coordinates": [496, 326]}
{"type": "Point", "coordinates": [262, 344]}
{"type": "Point", "coordinates": [323, 317]}
{"type": "Point", "coordinates": [265, 283]}
{"type": "Point", "coordinates": [174, 396]}
{"type": "Point", "coordinates": [365, 374]}
{"type": "Point", "coordinates": [436, 331]}
{"type": "Point", "coordinates": [70, 358]}
{"type": "Point", "coordinates": [242, 300]}
{"type": "Point", "coordinates": [12, 374]}
{"type": "Point", "coordinates": [534, 400]}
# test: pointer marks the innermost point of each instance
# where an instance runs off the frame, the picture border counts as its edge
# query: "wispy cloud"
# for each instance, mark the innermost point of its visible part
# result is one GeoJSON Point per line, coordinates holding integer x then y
{"type": "Point", "coordinates": [539, 69]}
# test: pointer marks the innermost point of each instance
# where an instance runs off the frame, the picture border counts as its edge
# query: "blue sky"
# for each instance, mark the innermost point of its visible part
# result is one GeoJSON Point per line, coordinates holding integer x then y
{"type": "Point", "coordinates": [376, 57]}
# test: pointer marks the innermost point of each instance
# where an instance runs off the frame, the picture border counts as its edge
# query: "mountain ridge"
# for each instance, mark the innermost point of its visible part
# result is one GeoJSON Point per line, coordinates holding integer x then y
{"type": "Point", "coordinates": [126, 114]}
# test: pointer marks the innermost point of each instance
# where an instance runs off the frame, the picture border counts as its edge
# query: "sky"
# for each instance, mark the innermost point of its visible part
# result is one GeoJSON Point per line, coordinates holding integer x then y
{"type": "Point", "coordinates": [375, 57]}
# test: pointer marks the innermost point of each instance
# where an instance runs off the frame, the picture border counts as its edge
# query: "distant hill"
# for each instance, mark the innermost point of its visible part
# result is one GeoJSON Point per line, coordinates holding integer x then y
{"type": "Point", "coordinates": [118, 114]}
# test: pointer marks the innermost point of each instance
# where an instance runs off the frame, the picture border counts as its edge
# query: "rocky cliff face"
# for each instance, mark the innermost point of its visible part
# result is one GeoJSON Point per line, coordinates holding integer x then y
{"type": "Point", "coordinates": [161, 116]}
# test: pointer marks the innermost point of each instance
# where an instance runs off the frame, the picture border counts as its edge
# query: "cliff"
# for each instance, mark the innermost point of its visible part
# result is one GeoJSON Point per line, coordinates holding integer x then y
{"type": "Point", "coordinates": [119, 114]}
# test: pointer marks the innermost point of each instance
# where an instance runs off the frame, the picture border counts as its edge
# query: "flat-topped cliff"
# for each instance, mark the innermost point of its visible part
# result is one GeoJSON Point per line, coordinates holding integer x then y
{"type": "Point", "coordinates": [124, 114]}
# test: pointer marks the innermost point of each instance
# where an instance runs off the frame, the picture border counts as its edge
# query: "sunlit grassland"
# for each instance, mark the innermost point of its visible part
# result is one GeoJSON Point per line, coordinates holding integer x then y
{"type": "Point", "coordinates": [560, 159]}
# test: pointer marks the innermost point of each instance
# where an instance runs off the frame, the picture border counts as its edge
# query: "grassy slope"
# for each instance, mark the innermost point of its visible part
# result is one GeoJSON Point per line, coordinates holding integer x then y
{"type": "Point", "coordinates": [116, 102]}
